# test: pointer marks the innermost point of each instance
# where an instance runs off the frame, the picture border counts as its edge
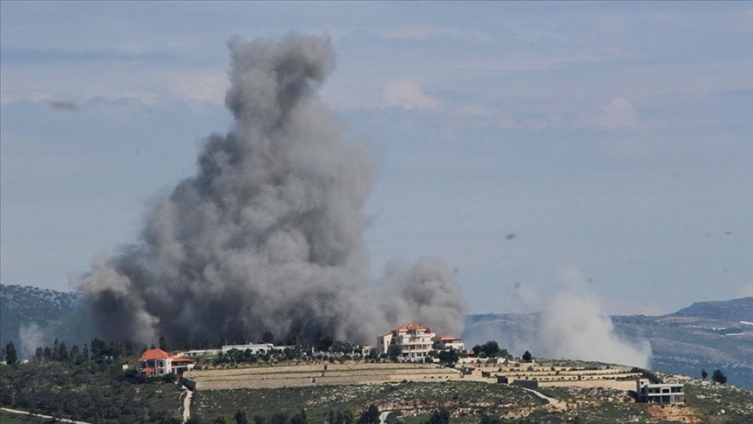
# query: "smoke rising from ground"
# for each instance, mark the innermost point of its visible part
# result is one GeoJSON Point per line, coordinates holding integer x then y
{"type": "Point", "coordinates": [268, 235]}
{"type": "Point", "coordinates": [575, 326]}
{"type": "Point", "coordinates": [32, 337]}
{"type": "Point", "coordinates": [572, 325]}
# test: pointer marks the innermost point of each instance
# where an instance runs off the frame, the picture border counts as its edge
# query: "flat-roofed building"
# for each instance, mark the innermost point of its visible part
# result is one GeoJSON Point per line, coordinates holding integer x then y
{"type": "Point", "coordinates": [255, 348]}
{"type": "Point", "coordinates": [659, 393]}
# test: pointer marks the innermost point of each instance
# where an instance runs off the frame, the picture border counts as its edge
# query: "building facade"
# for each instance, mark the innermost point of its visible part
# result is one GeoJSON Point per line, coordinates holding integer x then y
{"type": "Point", "coordinates": [448, 342]}
{"type": "Point", "coordinates": [255, 348]}
{"type": "Point", "coordinates": [157, 362]}
{"type": "Point", "coordinates": [414, 341]}
{"type": "Point", "coordinates": [659, 393]}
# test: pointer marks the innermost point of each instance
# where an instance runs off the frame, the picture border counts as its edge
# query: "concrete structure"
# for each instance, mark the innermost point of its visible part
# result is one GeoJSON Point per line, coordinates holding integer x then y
{"type": "Point", "coordinates": [448, 342]}
{"type": "Point", "coordinates": [255, 348]}
{"type": "Point", "coordinates": [196, 353]}
{"type": "Point", "coordinates": [157, 362]}
{"type": "Point", "coordinates": [413, 340]}
{"type": "Point", "coordinates": [659, 393]}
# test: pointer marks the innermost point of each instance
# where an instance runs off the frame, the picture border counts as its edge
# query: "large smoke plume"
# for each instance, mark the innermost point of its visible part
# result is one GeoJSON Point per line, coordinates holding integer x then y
{"type": "Point", "coordinates": [268, 234]}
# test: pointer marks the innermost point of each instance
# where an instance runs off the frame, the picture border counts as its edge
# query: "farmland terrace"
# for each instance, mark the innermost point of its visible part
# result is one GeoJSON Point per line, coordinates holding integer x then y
{"type": "Point", "coordinates": [271, 377]}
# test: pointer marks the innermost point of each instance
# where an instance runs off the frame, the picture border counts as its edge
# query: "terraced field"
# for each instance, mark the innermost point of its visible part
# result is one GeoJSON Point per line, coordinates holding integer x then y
{"type": "Point", "coordinates": [553, 375]}
{"type": "Point", "coordinates": [318, 374]}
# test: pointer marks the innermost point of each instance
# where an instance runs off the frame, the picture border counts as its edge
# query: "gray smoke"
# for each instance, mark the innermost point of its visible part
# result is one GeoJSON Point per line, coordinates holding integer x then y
{"type": "Point", "coordinates": [269, 233]}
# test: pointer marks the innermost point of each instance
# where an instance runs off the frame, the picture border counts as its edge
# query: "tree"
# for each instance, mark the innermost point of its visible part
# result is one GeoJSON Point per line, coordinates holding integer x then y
{"type": "Point", "coordinates": [370, 416]}
{"type": "Point", "coordinates": [268, 337]}
{"type": "Point", "coordinates": [240, 417]}
{"type": "Point", "coordinates": [527, 356]}
{"type": "Point", "coordinates": [704, 374]}
{"type": "Point", "coordinates": [719, 377]}
{"type": "Point", "coordinates": [394, 353]}
{"type": "Point", "coordinates": [324, 339]}
{"type": "Point", "coordinates": [439, 417]}
{"type": "Point", "coordinates": [476, 350]}
{"type": "Point", "coordinates": [279, 418]}
{"type": "Point", "coordinates": [299, 418]}
{"type": "Point", "coordinates": [448, 356]}
{"type": "Point", "coordinates": [11, 357]}
{"type": "Point", "coordinates": [163, 343]}
{"type": "Point", "coordinates": [490, 348]}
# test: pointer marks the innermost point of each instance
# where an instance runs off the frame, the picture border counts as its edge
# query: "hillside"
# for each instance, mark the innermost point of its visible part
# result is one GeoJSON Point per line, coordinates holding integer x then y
{"type": "Point", "coordinates": [735, 310]}
{"type": "Point", "coordinates": [56, 315]}
{"type": "Point", "coordinates": [706, 335]}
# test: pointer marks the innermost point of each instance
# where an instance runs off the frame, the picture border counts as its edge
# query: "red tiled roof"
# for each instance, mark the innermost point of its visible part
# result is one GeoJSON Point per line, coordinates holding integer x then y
{"type": "Point", "coordinates": [154, 354]}
{"type": "Point", "coordinates": [181, 359]}
{"type": "Point", "coordinates": [445, 338]}
{"type": "Point", "coordinates": [147, 370]}
{"type": "Point", "coordinates": [410, 327]}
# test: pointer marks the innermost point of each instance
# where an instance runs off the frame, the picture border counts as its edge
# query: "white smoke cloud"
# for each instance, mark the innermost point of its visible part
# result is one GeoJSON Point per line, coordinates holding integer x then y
{"type": "Point", "coordinates": [575, 326]}
{"type": "Point", "coordinates": [32, 337]}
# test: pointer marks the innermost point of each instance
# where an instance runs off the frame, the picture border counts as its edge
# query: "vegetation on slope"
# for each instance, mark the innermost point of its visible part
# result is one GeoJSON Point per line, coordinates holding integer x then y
{"type": "Point", "coordinates": [97, 391]}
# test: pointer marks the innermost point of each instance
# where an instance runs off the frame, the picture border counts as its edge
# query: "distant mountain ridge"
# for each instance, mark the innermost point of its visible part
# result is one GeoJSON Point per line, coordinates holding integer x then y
{"type": "Point", "coordinates": [730, 310]}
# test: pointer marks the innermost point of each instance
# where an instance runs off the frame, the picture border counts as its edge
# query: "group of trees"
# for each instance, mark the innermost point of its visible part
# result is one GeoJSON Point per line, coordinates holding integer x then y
{"type": "Point", "coordinates": [97, 350]}
{"type": "Point", "coordinates": [489, 349]}
{"type": "Point", "coordinates": [90, 391]}
{"type": "Point", "coordinates": [717, 376]}
{"type": "Point", "coordinates": [368, 416]}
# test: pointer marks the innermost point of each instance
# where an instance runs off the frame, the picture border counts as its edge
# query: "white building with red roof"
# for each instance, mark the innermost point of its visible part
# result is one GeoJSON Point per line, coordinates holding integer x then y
{"type": "Point", "coordinates": [157, 362]}
{"type": "Point", "coordinates": [414, 341]}
{"type": "Point", "coordinates": [448, 342]}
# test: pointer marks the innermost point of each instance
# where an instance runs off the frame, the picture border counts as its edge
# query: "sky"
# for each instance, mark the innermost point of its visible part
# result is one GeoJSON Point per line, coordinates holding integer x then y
{"type": "Point", "coordinates": [518, 142]}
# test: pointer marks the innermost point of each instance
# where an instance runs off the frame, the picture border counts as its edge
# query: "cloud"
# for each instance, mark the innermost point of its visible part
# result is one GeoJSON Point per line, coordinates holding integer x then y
{"type": "Point", "coordinates": [427, 32]}
{"type": "Point", "coordinates": [537, 61]}
{"type": "Point", "coordinates": [746, 291]}
{"type": "Point", "coordinates": [619, 113]}
{"type": "Point", "coordinates": [63, 105]}
{"type": "Point", "coordinates": [407, 95]}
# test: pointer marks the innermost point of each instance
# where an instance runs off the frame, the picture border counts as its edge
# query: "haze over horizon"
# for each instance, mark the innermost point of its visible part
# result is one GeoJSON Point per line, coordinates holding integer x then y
{"type": "Point", "coordinates": [517, 142]}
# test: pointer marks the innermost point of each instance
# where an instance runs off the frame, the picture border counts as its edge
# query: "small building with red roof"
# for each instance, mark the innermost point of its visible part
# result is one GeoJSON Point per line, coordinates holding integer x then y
{"type": "Point", "coordinates": [157, 362]}
{"type": "Point", "coordinates": [448, 342]}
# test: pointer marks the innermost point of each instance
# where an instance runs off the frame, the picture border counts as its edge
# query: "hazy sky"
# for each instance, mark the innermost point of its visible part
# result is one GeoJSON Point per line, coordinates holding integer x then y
{"type": "Point", "coordinates": [517, 141]}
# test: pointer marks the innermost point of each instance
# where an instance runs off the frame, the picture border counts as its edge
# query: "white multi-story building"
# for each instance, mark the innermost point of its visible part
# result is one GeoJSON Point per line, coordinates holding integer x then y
{"type": "Point", "coordinates": [157, 362]}
{"type": "Point", "coordinates": [414, 341]}
{"type": "Point", "coordinates": [659, 393]}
